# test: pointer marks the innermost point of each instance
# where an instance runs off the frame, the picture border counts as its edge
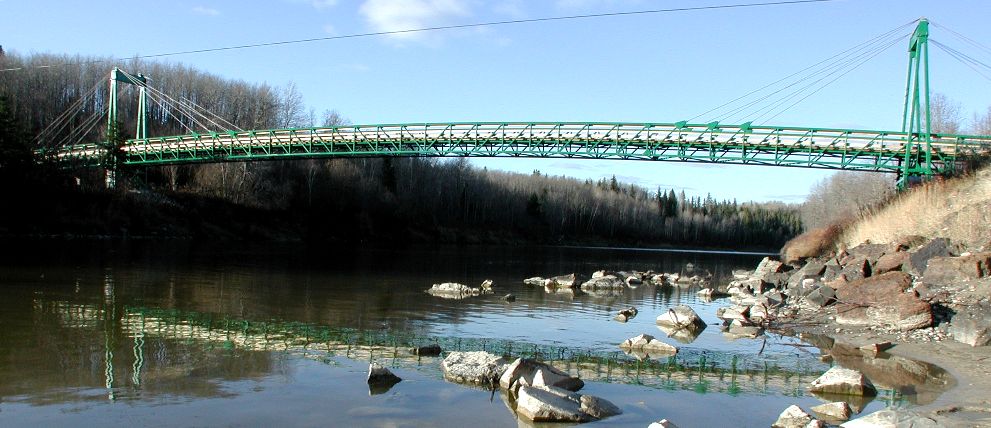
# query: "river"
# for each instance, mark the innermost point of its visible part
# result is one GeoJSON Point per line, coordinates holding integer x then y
{"type": "Point", "coordinates": [179, 334]}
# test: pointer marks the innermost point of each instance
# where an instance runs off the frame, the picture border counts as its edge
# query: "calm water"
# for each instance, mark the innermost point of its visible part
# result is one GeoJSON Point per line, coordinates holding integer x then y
{"type": "Point", "coordinates": [169, 334]}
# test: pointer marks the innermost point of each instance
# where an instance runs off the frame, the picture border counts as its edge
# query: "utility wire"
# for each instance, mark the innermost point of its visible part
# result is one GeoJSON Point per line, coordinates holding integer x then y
{"type": "Point", "coordinates": [445, 27]}
{"type": "Point", "coordinates": [964, 58]}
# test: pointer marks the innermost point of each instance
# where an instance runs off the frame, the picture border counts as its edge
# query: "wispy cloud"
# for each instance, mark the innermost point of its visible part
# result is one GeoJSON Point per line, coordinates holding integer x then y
{"type": "Point", "coordinates": [397, 15]}
{"type": "Point", "coordinates": [206, 11]}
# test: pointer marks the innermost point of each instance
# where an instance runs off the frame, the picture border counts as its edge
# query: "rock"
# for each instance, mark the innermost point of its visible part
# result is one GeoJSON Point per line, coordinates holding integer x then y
{"type": "Point", "coordinates": [598, 408]}
{"type": "Point", "coordinates": [815, 423]}
{"type": "Point", "coordinates": [838, 380]}
{"type": "Point", "coordinates": [873, 349]}
{"type": "Point", "coordinates": [626, 314]}
{"type": "Point", "coordinates": [945, 270]}
{"type": "Point", "coordinates": [428, 350]}
{"type": "Point", "coordinates": [487, 285]}
{"type": "Point", "coordinates": [871, 252]}
{"type": "Point", "coordinates": [881, 301]}
{"type": "Point", "coordinates": [972, 325]}
{"type": "Point", "coordinates": [478, 368]}
{"type": "Point", "coordinates": [681, 316]}
{"type": "Point", "coordinates": [603, 282]}
{"type": "Point", "coordinates": [792, 417]}
{"type": "Point", "coordinates": [633, 281]}
{"type": "Point", "coordinates": [509, 298]}
{"type": "Point", "coordinates": [647, 344]}
{"type": "Point", "coordinates": [892, 419]}
{"type": "Point", "coordinates": [709, 293]}
{"type": "Point", "coordinates": [820, 296]}
{"type": "Point", "coordinates": [380, 379]}
{"type": "Point", "coordinates": [663, 423]}
{"type": "Point", "coordinates": [599, 274]}
{"type": "Point", "coordinates": [767, 266]}
{"type": "Point", "coordinates": [907, 242]}
{"type": "Point", "coordinates": [917, 262]}
{"type": "Point", "coordinates": [813, 269]}
{"type": "Point", "coordinates": [562, 281]}
{"type": "Point", "coordinates": [536, 281]}
{"type": "Point", "coordinates": [453, 290]}
{"type": "Point", "coordinates": [856, 267]}
{"type": "Point", "coordinates": [733, 313]}
{"type": "Point", "coordinates": [527, 372]}
{"type": "Point", "coordinates": [838, 411]}
{"type": "Point", "coordinates": [740, 330]}
{"type": "Point", "coordinates": [891, 262]}
{"type": "Point", "coordinates": [550, 404]}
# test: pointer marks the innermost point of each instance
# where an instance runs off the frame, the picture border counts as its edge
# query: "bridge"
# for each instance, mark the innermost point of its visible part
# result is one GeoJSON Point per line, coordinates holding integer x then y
{"type": "Point", "coordinates": [914, 151]}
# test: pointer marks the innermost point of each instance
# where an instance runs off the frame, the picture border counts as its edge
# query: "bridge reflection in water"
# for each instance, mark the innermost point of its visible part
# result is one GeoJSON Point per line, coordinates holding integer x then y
{"type": "Point", "coordinates": [168, 334]}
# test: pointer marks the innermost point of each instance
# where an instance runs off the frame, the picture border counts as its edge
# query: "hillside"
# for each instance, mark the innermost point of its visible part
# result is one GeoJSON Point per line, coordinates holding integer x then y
{"type": "Point", "coordinates": [958, 209]}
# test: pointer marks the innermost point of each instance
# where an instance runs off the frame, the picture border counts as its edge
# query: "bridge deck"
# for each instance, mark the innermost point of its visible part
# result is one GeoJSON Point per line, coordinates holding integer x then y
{"type": "Point", "coordinates": [739, 144]}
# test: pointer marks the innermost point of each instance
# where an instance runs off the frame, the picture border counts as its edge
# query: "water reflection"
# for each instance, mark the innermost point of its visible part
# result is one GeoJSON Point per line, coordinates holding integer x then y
{"type": "Point", "coordinates": [162, 327]}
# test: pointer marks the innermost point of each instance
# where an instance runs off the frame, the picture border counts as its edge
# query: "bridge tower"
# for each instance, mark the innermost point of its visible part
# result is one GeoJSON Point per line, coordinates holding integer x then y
{"type": "Point", "coordinates": [113, 133]}
{"type": "Point", "coordinates": [916, 118]}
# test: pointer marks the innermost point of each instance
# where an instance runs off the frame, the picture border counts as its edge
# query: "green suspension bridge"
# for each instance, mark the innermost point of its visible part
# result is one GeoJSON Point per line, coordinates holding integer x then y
{"type": "Point", "coordinates": [913, 152]}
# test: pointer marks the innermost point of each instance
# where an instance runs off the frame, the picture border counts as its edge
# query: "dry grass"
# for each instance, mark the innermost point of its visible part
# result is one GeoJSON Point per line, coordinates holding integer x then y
{"type": "Point", "coordinates": [814, 243]}
{"type": "Point", "coordinates": [958, 209]}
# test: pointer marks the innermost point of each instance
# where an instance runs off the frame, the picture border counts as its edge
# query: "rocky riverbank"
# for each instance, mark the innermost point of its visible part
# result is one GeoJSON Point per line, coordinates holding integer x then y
{"type": "Point", "coordinates": [928, 300]}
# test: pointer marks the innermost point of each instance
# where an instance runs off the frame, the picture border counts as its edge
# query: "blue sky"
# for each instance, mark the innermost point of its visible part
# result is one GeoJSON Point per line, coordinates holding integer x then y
{"type": "Point", "coordinates": [647, 68]}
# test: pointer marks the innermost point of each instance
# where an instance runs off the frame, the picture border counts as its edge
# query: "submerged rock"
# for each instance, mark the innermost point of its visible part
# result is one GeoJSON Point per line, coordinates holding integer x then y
{"type": "Point", "coordinates": [839, 380]}
{"type": "Point", "coordinates": [626, 314]}
{"type": "Point", "coordinates": [509, 298]}
{"type": "Point", "coordinates": [477, 368]}
{"type": "Point", "coordinates": [551, 404]}
{"type": "Point", "coordinates": [527, 372]}
{"type": "Point", "coordinates": [792, 417]}
{"type": "Point", "coordinates": [536, 281]}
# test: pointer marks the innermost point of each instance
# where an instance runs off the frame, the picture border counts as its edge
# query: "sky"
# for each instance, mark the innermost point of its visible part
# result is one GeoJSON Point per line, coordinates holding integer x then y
{"type": "Point", "coordinates": [659, 67]}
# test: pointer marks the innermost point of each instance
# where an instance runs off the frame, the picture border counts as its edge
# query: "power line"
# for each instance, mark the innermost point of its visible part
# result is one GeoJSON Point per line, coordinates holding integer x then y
{"type": "Point", "coordinates": [447, 27]}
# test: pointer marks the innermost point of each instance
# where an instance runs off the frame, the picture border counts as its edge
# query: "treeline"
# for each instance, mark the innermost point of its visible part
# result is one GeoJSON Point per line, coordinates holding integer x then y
{"type": "Point", "coordinates": [383, 199]}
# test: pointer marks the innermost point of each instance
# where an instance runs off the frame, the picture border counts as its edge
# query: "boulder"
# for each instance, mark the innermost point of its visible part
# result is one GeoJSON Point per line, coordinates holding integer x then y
{"type": "Point", "coordinates": [811, 270]}
{"type": "Point", "coordinates": [972, 325]}
{"type": "Point", "coordinates": [839, 380]}
{"type": "Point", "coordinates": [550, 404]}
{"type": "Point", "coordinates": [891, 262]}
{"type": "Point", "coordinates": [380, 379]}
{"type": "Point", "coordinates": [881, 300]}
{"type": "Point", "coordinates": [856, 267]}
{"type": "Point", "coordinates": [603, 282]}
{"type": "Point", "coordinates": [426, 350]}
{"type": "Point", "coordinates": [647, 344]}
{"type": "Point", "coordinates": [453, 290]}
{"type": "Point", "coordinates": [527, 372]}
{"type": "Point", "coordinates": [477, 368]}
{"type": "Point", "coordinates": [891, 418]}
{"type": "Point", "coordinates": [917, 262]}
{"type": "Point", "coordinates": [945, 270]}
{"type": "Point", "coordinates": [681, 316]}
{"type": "Point", "coordinates": [682, 335]}
{"type": "Point", "coordinates": [663, 423]}
{"type": "Point", "coordinates": [792, 417]}
{"type": "Point", "coordinates": [633, 281]}
{"type": "Point", "coordinates": [838, 411]}
{"type": "Point", "coordinates": [768, 266]}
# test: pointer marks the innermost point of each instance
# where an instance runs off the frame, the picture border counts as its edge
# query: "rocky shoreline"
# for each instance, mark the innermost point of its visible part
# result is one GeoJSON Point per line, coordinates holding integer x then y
{"type": "Point", "coordinates": [928, 300]}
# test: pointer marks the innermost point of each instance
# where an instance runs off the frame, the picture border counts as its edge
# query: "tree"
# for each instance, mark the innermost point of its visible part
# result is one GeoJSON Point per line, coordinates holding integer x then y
{"type": "Point", "coordinates": [16, 156]}
{"type": "Point", "coordinates": [944, 115]}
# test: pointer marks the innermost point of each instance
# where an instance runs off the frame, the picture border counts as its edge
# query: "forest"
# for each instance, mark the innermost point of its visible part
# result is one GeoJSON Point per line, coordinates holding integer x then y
{"type": "Point", "coordinates": [320, 200]}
